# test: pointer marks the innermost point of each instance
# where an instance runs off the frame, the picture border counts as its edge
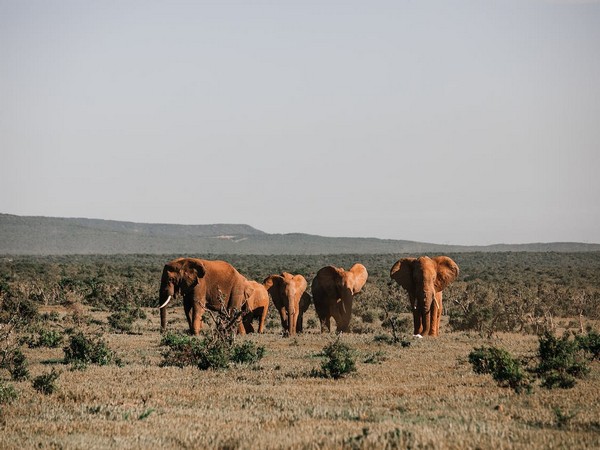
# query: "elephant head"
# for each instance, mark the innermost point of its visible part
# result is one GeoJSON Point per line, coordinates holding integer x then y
{"type": "Point", "coordinates": [424, 279]}
{"type": "Point", "coordinates": [290, 299]}
{"type": "Point", "coordinates": [179, 276]}
{"type": "Point", "coordinates": [333, 294]}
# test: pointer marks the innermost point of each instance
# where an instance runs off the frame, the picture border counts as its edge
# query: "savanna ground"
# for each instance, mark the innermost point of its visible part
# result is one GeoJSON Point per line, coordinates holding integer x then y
{"type": "Point", "coordinates": [422, 395]}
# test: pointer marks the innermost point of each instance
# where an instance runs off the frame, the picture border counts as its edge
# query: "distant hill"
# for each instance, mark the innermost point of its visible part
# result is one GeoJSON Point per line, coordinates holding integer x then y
{"type": "Point", "coordinates": [26, 235]}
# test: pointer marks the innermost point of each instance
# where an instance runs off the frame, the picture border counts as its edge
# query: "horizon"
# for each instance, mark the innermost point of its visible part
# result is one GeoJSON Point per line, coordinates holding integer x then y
{"type": "Point", "coordinates": [308, 234]}
{"type": "Point", "coordinates": [463, 123]}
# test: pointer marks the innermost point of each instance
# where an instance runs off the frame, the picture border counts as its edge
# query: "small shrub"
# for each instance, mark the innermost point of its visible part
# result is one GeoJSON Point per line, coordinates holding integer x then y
{"type": "Point", "coordinates": [175, 340]}
{"type": "Point", "coordinates": [189, 351]}
{"type": "Point", "coordinates": [505, 370]}
{"type": "Point", "coordinates": [7, 393]}
{"type": "Point", "coordinates": [82, 351]}
{"type": "Point", "coordinates": [590, 343]}
{"type": "Point", "coordinates": [214, 354]}
{"type": "Point", "coordinates": [340, 361]}
{"type": "Point", "coordinates": [45, 383]}
{"type": "Point", "coordinates": [17, 365]}
{"type": "Point", "coordinates": [561, 361]}
{"type": "Point", "coordinates": [375, 358]}
{"type": "Point", "coordinates": [247, 353]}
{"type": "Point", "coordinates": [50, 317]}
{"type": "Point", "coordinates": [121, 321]}
{"type": "Point", "coordinates": [46, 338]}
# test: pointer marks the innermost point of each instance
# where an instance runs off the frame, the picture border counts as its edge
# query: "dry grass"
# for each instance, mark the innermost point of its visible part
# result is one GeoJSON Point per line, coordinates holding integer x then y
{"type": "Point", "coordinates": [423, 396]}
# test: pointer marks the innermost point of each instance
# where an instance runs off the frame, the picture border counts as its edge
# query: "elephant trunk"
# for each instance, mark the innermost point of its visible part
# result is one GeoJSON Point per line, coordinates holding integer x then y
{"type": "Point", "coordinates": [166, 294]}
{"type": "Point", "coordinates": [425, 311]}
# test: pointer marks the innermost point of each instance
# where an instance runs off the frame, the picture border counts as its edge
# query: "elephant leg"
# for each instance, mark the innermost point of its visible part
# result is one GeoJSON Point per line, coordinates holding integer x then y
{"type": "Point", "coordinates": [262, 320]}
{"type": "Point", "coordinates": [417, 324]}
{"type": "Point", "coordinates": [299, 323]}
{"type": "Point", "coordinates": [326, 324]}
{"type": "Point", "coordinates": [436, 315]}
{"type": "Point", "coordinates": [196, 320]}
{"type": "Point", "coordinates": [426, 321]}
{"type": "Point", "coordinates": [187, 308]}
{"type": "Point", "coordinates": [339, 321]}
{"type": "Point", "coordinates": [284, 319]}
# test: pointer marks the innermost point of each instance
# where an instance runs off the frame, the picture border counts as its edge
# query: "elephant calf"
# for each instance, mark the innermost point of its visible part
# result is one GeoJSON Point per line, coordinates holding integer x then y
{"type": "Point", "coordinates": [257, 306]}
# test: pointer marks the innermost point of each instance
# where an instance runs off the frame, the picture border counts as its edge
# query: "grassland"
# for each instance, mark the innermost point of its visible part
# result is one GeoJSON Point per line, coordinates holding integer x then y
{"type": "Point", "coordinates": [425, 395]}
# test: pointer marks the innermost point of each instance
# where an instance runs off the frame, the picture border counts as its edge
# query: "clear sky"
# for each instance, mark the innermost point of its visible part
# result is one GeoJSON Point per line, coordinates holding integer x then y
{"type": "Point", "coordinates": [460, 122]}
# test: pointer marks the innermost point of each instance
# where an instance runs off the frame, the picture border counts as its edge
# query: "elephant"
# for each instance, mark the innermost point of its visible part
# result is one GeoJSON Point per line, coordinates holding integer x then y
{"type": "Point", "coordinates": [333, 291]}
{"type": "Point", "coordinates": [290, 298]}
{"type": "Point", "coordinates": [257, 306]}
{"type": "Point", "coordinates": [203, 284]}
{"type": "Point", "coordinates": [424, 279]}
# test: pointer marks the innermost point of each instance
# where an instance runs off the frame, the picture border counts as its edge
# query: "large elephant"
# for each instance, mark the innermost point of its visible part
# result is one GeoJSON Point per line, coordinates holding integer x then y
{"type": "Point", "coordinates": [424, 279]}
{"type": "Point", "coordinates": [203, 284]}
{"type": "Point", "coordinates": [290, 298]}
{"type": "Point", "coordinates": [257, 306]}
{"type": "Point", "coordinates": [333, 291]}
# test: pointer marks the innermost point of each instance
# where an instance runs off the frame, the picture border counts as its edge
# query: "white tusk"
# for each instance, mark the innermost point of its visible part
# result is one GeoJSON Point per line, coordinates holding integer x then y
{"type": "Point", "coordinates": [165, 303]}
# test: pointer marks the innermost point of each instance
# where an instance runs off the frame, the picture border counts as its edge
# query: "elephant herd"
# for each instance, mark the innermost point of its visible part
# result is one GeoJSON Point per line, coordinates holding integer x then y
{"type": "Point", "coordinates": [217, 285]}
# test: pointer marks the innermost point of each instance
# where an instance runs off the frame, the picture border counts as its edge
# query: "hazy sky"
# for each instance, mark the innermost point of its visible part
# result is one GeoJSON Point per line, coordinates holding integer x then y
{"type": "Point", "coordinates": [463, 122]}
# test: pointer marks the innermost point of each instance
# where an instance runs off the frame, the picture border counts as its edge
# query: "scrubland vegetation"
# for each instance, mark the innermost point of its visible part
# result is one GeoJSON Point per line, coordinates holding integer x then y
{"type": "Point", "coordinates": [82, 362]}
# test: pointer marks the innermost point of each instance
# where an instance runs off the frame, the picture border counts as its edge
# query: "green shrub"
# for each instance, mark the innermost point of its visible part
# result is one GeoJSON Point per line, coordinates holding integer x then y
{"type": "Point", "coordinates": [16, 364]}
{"type": "Point", "coordinates": [121, 321]}
{"type": "Point", "coordinates": [561, 361]}
{"type": "Point", "coordinates": [207, 353]}
{"type": "Point", "coordinates": [340, 361]}
{"type": "Point", "coordinates": [46, 338]}
{"type": "Point", "coordinates": [505, 370]}
{"type": "Point", "coordinates": [213, 354]}
{"type": "Point", "coordinates": [175, 340]}
{"type": "Point", "coordinates": [83, 350]}
{"type": "Point", "coordinates": [7, 393]}
{"type": "Point", "coordinates": [46, 383]}
{"type": "Point", "coordinates": [590, 343]}
{"type": "Point", "coordinates": [247, 353]}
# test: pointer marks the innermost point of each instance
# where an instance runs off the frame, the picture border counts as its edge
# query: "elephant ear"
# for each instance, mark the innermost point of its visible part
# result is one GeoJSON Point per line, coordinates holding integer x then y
{"type": "Point", "coordinates": [273, 280]}
{"type": "Point", "coordinates": [447, 271]}
{"type": "Point", "coordinates": [360, 277]}
{"type": "Point", "coordinates": [300, 282]}
{"type": "Point", "coordinates": [249, 289]}
{"type": "Point", "coordinates": [401, 273]}
{"type": "Point", "coordinates": [192, 270]}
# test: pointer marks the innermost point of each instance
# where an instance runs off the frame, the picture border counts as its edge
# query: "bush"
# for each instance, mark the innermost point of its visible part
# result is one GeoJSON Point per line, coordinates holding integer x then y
{"type": "Point", "coordinates": [505, 370]}
{"type": "Point", "coordinates": [561, 361]}
{"type": "Point", "coordinates": [7, 393]}
{"type": "Point", "coordinates": [46, 383]}
{"type": "Point", "coordinates": [247, 353]}
{"type": "Point", "coordinates": [590, 343]}
{"type": "Point", "coordinates": [82, 351]}
{"type": "Point", "coordinates": [340, 361]}
{"type": "Point", "coordinates": [46, 338]}
{"type": "Point", "coordinates": [175, 340]}
{"type": "Point", "coordinates": [121, 321]}
{"type": "Point", "coordinates": [208, 353]}
{"type": "Point", "coordinates": [213, 354]}
{"type": "Point", "coordinates": [16, 363]}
